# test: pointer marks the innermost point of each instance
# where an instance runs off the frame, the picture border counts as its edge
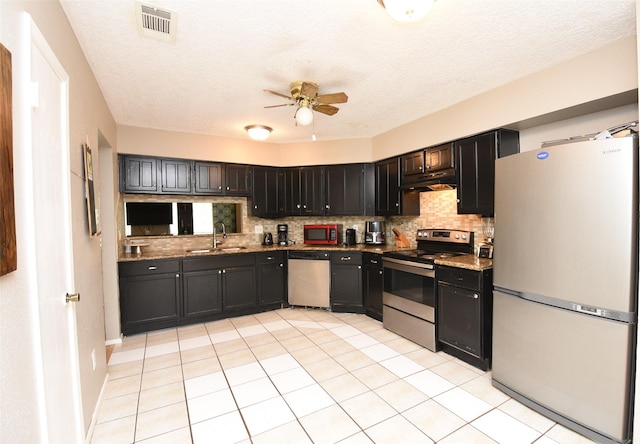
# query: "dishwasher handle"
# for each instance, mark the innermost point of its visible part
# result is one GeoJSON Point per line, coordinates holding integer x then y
{"type": "Point", "coordinates": [309, 255]}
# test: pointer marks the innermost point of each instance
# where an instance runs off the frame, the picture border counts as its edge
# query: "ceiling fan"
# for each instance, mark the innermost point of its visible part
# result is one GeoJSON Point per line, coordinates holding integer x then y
{"type": "Point", "coordinates": [305, 95]}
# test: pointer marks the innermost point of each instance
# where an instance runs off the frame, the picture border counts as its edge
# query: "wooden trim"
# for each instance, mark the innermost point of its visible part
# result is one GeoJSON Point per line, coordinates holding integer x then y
{"type": "Point", "coordinates": [8, 247]}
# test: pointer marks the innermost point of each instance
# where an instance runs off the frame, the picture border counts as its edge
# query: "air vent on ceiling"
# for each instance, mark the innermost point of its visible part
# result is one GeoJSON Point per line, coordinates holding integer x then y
{"type": "Point", "coordinates": [157, 23]}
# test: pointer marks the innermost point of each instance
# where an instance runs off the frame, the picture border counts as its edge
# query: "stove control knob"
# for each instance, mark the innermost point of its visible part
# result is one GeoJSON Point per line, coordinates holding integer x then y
{"type": "Point", "coordinates": [457, 236]}
{"type": "Point", "coordinates": [464, 236]}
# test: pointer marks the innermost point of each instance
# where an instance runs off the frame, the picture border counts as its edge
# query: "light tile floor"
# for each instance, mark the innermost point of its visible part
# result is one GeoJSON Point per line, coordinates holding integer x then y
{"type": "Point", "coordinates": [304, 376]}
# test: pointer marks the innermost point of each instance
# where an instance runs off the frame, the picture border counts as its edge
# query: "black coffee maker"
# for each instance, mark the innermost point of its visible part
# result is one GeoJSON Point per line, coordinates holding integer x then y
{"type": "Point", "coordinates": [283, 234]}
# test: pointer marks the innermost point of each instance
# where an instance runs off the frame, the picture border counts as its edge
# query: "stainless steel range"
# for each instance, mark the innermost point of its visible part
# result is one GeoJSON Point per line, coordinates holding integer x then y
{"type": "Point", "coordinates": [409, 295]}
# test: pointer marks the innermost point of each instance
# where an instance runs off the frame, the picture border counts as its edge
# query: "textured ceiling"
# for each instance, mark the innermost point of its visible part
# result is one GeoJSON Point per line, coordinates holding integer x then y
{"type": "Point", "coordinates": [211, 79]}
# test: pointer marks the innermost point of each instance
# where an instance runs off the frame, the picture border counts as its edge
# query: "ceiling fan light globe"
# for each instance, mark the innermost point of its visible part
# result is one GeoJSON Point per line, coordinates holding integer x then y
{"type": "Point", "coordinates": [408, 10]}
{"type": "Point", "coordinates": [304, 116]}
{"type": "Point", "coordinates": [258, 132]}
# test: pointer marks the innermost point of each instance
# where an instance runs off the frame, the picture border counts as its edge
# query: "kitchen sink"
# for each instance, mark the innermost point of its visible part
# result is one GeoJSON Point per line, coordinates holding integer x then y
{"type": "Point", "coordinates": [199, 251]}
{"type": "Point", "coordinates": [231, 248]}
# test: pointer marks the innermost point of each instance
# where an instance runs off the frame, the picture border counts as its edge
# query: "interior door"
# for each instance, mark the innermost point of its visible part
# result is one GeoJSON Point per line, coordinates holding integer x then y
{"type": "Point", "coordinates": [60, 377]}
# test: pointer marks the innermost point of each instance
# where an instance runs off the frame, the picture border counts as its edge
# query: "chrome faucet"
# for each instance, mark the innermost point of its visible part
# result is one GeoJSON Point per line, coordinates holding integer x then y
{"type": "Point", "coordinates": [215, 238]}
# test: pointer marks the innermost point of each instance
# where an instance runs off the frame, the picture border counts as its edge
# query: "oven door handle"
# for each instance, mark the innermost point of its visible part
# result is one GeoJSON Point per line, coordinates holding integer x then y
{"type": "Point", "coordinates": [409, 267]}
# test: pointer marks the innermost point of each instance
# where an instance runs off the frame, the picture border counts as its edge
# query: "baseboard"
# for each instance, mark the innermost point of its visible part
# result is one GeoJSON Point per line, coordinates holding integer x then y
{"type": "Point", "coordinates": [96, 410]}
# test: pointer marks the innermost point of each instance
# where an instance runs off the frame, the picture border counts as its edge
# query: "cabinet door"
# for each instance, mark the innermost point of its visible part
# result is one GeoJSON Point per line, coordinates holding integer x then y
{"type": "Point", "coordinates": [139, 174]}
{"type": "Point", "coordinates": [148, 302]}
{"type": "Point", "coordinates": [346, 282]}
{"type": "Point", "coordinates": [265, 196]}
{"type": "Point", "coordinates": [373, 285]}
{"type": "Point", "coordinates": [460, 318]}
{"type": "Point", "coordinates": [209, 178]}
{"type": "Point", "coordinates": [291, 196]}
{"type": "Point", "coordinates": [345, 190]}
{"type": "Point", "coordinates": [272, 281]}
{"type": "Point", "coordinates": [239, 288]}
{"type": "Point", "coordinates": [176, 176]}
{"type": "Point", "coordinates": [238, 180]}
{"type": "Point", "coordinates": [312, 191]}
{"type": "Point", "coordinates": [476, 173]}
{"type": "Point", "coordinates": [388, 187]}
{"type": "Point", "coordinates": [439, 158]}
{"type": "Point", "coordinates": [412, 163]}
{"type": "Point", "coordinates": [202, 292]}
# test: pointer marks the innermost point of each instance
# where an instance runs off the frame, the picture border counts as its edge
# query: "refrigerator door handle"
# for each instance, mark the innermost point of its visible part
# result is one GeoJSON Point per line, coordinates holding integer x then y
{"type": "Point", "coordinates": [589, 310]}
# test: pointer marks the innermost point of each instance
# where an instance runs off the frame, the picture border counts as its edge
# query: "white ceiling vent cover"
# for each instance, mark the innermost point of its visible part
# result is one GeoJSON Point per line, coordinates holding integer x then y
{"type": "Point", "coordinates": [156, 23]}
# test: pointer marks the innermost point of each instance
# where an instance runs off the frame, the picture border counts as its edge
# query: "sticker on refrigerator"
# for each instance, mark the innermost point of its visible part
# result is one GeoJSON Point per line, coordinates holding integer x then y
{"type": "Point", "coordinates": [542, 155]}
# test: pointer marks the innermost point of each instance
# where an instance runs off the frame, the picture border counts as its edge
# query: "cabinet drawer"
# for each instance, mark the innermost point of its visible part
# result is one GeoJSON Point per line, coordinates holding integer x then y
{"type": "Point", "coordinates": [372, 260]}
{"type": "Point", "coordinates": [460, 277]}
{"type": "Point", "coordinates": [271, 257]}
{"type": "Point", "coordinates": [346, 258]}
{"type": "Point", "coordinates": [148, 267]}
{"type": "Point", "coordinates": [221, 261]}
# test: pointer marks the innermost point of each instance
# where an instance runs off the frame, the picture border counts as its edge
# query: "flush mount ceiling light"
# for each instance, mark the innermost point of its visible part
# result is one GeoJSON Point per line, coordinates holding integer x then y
{"type": "Point", "coordinates": [407, 10]}
{"type": "Point", "coordinates": [258, 132]}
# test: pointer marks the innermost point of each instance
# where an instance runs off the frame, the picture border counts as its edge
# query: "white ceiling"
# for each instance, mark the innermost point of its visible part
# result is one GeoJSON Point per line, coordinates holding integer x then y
{"type": "Point", "coordinates": [211, 79]}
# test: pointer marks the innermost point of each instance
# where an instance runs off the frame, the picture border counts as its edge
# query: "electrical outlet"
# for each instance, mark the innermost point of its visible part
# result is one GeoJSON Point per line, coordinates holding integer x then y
{"type": "Point", "coordinates": [93, 359]}
{"type": "Point", "coordinates": [355, 227]}
{"type": "Point", "coordinates": [258, 229]}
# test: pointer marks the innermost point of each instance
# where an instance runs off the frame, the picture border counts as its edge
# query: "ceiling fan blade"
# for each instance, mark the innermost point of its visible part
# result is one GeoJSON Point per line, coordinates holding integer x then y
{"type": "Point", "coordinates": [326, 109]}
{"type": "Point", "coordinates": [332, 98]}
{"type": "Point", "coordinates": [276, 106]}
{"type": "Point", "coordinates": [278, 94]}
{"type": "Point", "coordinates": [309, 90]}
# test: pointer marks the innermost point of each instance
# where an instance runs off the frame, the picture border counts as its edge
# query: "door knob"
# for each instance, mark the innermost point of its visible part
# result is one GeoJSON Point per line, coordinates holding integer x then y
{"type": "Point", "coordinates": [75, 297]}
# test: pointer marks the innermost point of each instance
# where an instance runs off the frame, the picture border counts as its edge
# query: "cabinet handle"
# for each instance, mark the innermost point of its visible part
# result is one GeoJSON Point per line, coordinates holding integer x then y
{"type": "Point", "coordinates": [327, 206]}
{"type": "Point", "coordinates": [255, 207]}
{"type": "Point", "coordinates": [227, 188]}
{"type": "Point", "coordinates": [374, 262]}
{"type": "Point", "coordinates": [381, 272]}
{"type": "Point", "coordinates": [304, 206]}
{"type": "Point", "coordinates": [397, 204]}
{"type": "Point", "coordinates": [219, 271]}
{"type": "Point", "coordinates": [177, 276]}
{"type": "Point", "coordinates": [298, 206]}
{"type": "Point", "coordinates": [359, 267]}
{"type": "Point", "coordinates": [152, 268]}
{"type": "Point", "coordinates": [345, 258]}
{"type": "Point", "coordinates": [220, 187]}
{"type": "Point", "coordinates": [270, 258]}
{"type": "Point", "coordinates": [281, 265]}
{"type": "Point", "coordinates": [476, 295]}
{"type": "Point", "coordinates": [224, 271]}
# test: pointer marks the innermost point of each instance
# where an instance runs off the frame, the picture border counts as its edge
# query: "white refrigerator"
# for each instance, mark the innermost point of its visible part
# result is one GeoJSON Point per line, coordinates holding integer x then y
{"type": "Point", "coordinates": [565, 283]}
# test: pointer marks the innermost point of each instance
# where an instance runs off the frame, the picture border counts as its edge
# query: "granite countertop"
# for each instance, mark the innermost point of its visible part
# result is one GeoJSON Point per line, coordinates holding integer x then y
{"type": "Point", "coordinates": [182, 253]}
{"type": "Point", "coordinates": [468, 261]}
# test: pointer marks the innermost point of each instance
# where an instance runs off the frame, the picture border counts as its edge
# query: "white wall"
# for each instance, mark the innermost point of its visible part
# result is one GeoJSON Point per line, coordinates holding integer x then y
{"type": "Point", "coordinates": [602, 73]}
{"type": "Point", "coordinates": [20, 400]}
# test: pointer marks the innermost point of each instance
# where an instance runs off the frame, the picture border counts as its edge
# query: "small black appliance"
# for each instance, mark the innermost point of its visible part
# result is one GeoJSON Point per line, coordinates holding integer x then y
{"type": "Point", "coordinates": [268, 239]}
{"type": "Point", "coordinates": [283, 234]}
{"type": "Point", "coordinates": [350, 236]}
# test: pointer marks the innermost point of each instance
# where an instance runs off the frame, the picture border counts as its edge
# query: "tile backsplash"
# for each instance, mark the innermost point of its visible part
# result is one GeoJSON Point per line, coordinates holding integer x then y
{"type": "Point", "coordinates": [438, 209]}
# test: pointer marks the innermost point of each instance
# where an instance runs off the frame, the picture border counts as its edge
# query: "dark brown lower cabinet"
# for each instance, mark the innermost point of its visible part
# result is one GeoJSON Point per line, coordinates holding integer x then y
{"type": "Point", "coordinates": [150, 295]}
{"type": "Point", "coordinates": [464, 312]}
{"type": "Point", "coordinates": [373, 284]}
{"type": "Point", "coordinates": [346, 282]}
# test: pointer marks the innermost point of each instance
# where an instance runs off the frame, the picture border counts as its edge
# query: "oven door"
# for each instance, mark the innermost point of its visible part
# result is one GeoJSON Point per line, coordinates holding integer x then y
{"type": "Point", "coordinates": [410, 280]}
{"type": "Point", "coordinates": [408, 301]}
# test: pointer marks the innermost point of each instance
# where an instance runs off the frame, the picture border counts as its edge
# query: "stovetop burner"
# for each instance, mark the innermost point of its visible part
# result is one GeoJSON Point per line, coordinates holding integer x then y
{"type": "Point", "coordinates": [437, 244]}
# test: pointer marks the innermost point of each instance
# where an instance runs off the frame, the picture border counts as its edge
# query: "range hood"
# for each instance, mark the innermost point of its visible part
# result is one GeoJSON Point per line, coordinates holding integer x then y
{"type": "Point", "coordinates": [434, 181]}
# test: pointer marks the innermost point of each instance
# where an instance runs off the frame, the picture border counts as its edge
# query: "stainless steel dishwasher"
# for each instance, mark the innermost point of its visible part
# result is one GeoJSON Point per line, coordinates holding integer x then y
{"type": "Point", "coordinates": [309, 278]}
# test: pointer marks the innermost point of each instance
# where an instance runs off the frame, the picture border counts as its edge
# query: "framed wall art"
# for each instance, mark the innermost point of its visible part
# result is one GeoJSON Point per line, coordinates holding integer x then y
{"type": "Point", "coordinates": [8, 245]}
{"type": "Point", "coordinates": [92, 211]}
